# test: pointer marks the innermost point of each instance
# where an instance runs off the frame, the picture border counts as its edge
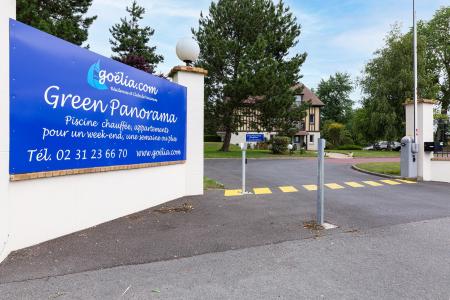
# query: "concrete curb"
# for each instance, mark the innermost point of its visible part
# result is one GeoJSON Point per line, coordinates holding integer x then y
{"type": "Point", "coordinates": [354, 167]}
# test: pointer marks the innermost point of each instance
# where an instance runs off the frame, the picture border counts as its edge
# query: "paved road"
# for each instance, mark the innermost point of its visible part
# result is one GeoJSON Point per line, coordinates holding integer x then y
{"type": "Point", "coordinates": [408, 261]}
{"type": "Point", "coordinates": [284, 172]}
{"type": "Point", "coordinates": [218, 223]}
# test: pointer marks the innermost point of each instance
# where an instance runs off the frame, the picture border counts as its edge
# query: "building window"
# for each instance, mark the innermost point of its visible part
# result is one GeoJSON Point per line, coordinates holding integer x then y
{"type": "Point", "coordinates": [311, 139]}
{"type": "Point", "coordinates": [302, 126]}
{"type": "Point", "coordinates": [311, 118]}
{"type": "Point", "coordinates": [298, 100]}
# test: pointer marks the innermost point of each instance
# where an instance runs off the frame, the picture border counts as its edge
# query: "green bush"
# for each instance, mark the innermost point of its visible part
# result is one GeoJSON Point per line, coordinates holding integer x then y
{"type": "Point", "coordinates": [349, 147]}
{"type": "Point", "coordinates": [329, 146]}
{"type": "Point", "coordinates": [212, 138]}
{"type": "Point", "coordinates": [280, 144]}
{"type": "Point", "coordinates": [336, 134]}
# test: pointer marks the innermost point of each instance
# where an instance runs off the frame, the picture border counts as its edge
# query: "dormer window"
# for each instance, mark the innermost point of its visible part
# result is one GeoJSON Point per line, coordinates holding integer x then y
{"type": "Point", "coordinates": [298, 100]}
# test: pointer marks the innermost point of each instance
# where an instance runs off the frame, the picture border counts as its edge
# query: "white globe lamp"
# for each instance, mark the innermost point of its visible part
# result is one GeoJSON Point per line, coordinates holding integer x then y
{"type": "Point", "coordinates": [187, 50]}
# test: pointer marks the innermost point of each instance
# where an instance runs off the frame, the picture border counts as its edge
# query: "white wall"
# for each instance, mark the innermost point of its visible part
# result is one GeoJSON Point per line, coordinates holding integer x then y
{"type": "Point", "coordinates": [313, 145]}
{"type": "Point", "coordinates": [43, 209]}
{"type": "Point", "coordinates": [440, 170]}
{"type": "Point", "coordinates": [34, 211]}
{"type": "Point", "coordinates": [7, 11]}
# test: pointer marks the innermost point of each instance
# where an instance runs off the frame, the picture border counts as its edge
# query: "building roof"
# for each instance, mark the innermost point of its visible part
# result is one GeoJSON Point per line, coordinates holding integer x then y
{"type": "Point", "coordinates": [308, 95]}
{"type": "Point", "coordinates": [302, 132]}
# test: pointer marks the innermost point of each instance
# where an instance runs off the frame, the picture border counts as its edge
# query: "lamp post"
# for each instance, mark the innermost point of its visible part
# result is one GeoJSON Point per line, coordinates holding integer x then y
{"type": "Point", "coordinates": [290, 147]}
{"type": "Point", "coordinates": [187, 50]}
{"type": "Point", "coordinates": [415, 70]}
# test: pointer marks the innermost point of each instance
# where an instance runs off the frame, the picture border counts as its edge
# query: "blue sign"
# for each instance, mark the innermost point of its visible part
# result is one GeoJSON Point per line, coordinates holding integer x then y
{"type": "Point", "coordinates": [254, 137]}
{"type": "Point", "coordinates": [71, 108]}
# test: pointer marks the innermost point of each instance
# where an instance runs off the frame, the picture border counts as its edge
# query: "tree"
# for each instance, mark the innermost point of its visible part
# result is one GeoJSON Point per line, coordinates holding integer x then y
{"type": "Point", "coordinates": [387, 82]}
{"type": "Point", "coordinates": [335, 94]}
{"type": "Point", "coordinates": [62, 18]}
{"type": "Point", "coordinates": [437, 32]}
{"type": "Point", "coordinates": [336, 134]}
{"type": "Point", "coordinates": [289, 124]}
{"type": "Point", "coordinates": [357, 127]}
{"type": "Point", "coordinates": [130, 41]}
{"type": "Point", "coordinates": [245, 46]}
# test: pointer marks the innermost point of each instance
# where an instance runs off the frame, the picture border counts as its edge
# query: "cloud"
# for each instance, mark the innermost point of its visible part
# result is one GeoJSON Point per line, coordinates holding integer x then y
{"type": "Point", "coordinates": [338, 35]}
{"type": "Point", "coordinates": [360, 41]}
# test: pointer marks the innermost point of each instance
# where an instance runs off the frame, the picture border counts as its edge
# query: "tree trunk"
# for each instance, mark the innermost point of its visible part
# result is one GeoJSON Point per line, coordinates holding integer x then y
{"type": "Point", "coordinates": [226, 141]}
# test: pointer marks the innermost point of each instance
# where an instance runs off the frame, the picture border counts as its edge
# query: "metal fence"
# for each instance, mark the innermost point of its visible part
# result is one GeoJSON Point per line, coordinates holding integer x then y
{"type": "Point", "coordinates": [442, 138]}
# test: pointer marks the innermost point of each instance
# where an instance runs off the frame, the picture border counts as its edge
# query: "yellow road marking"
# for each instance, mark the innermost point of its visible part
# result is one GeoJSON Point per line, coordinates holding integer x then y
{"type": "Point", "coordinates": [310, 187]}
{"type": "Point", "coordinates": [229, 193]}
{"type": "Point", "coordinates": [334, 186]}
{"type": "Point", "coordinates": [406, 181]}
{"type": "Point", "coordinates": [391, 182]}
{"type": "Point", "coordinates": [373, 183]}
{"type": "Point", "coordinates": [354, 184]}
{"type": "Point", "coordinates": [262, 191]}
{"type": "Point", "coordinates": [288, 189]}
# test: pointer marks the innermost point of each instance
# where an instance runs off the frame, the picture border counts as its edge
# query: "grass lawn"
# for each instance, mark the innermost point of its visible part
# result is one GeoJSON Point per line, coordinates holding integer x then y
{"type": "Point", "coordinates": [212, 151]}
{"type": "Point", "coordinates": [209, 184]}
{"type": "Point", "coordinates": [390, 168]}
{"type": "Point", "coordinates": [368, 153]}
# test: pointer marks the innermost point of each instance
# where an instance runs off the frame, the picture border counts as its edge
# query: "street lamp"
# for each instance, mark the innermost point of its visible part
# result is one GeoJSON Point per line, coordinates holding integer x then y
{"type": "Point", "coordinates": [290, 146]}
{"type": "Point", "coordinates": [187, 50]}
{"type": "Point", "coordinates": [415, 71]}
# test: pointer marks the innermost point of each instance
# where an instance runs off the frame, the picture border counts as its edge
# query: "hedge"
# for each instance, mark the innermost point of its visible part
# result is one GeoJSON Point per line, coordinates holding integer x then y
{"type": "Point", "coordinates": [212, 138]}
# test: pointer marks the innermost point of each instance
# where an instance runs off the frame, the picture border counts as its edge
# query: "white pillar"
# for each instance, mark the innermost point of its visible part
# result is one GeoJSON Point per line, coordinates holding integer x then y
{"type": "Point", "coordinates": [409, 114]}
{"type": "Point", "coordinates": [193, 79]}
{"type": "Point", "coordinates": [425, 134]}
{"type": "Point", "coordinates": [8, 11]}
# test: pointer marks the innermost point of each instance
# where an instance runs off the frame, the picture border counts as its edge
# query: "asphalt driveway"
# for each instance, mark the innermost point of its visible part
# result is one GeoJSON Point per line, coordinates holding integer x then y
{"type": "Point", "coordinates": [218, 223]}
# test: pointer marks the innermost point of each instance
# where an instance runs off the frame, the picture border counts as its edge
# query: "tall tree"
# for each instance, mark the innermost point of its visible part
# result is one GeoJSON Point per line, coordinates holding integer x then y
{"type": "Point", "coordinates": [387, 82]}
{"type": "Point", "coordinates": [246, 46]}
{"type": "Point", "coordinates": [130, 41]}
{"type": "Point", "coordinates": [438, 41]}
{"type": "Point", "coordinates": [335, 94]}
{"type": "Point", "coordinates": [62, 18]}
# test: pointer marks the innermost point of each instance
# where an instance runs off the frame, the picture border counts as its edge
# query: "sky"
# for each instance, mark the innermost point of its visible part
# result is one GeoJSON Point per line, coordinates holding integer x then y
{"type": "Point", "coordinates": [337, 35]}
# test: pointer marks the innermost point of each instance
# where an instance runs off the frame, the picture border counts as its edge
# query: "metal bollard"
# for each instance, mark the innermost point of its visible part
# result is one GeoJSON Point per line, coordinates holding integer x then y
{"type": "Point", "coordinates": [320, 181]}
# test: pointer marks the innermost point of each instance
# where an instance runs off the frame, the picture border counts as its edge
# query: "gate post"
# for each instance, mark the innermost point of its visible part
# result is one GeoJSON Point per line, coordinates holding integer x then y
{"type": "Point", "coordinates": [424, 134]}
{"type": "Point", "coordinates": [193, 78]}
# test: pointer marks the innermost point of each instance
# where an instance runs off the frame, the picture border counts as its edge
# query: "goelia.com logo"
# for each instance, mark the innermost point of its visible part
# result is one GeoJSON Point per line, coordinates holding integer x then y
{"type": "Point", "coordinates": [93, 77]}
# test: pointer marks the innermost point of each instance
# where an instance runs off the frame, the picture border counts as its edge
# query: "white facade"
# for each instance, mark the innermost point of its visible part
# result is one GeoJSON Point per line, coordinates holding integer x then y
{"type": "Point", "coordinates": [34, 211]}
{"type": "Point", "coordinates": [313, 140]}
{"type": "Point", "coordinates": [238, 138]}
